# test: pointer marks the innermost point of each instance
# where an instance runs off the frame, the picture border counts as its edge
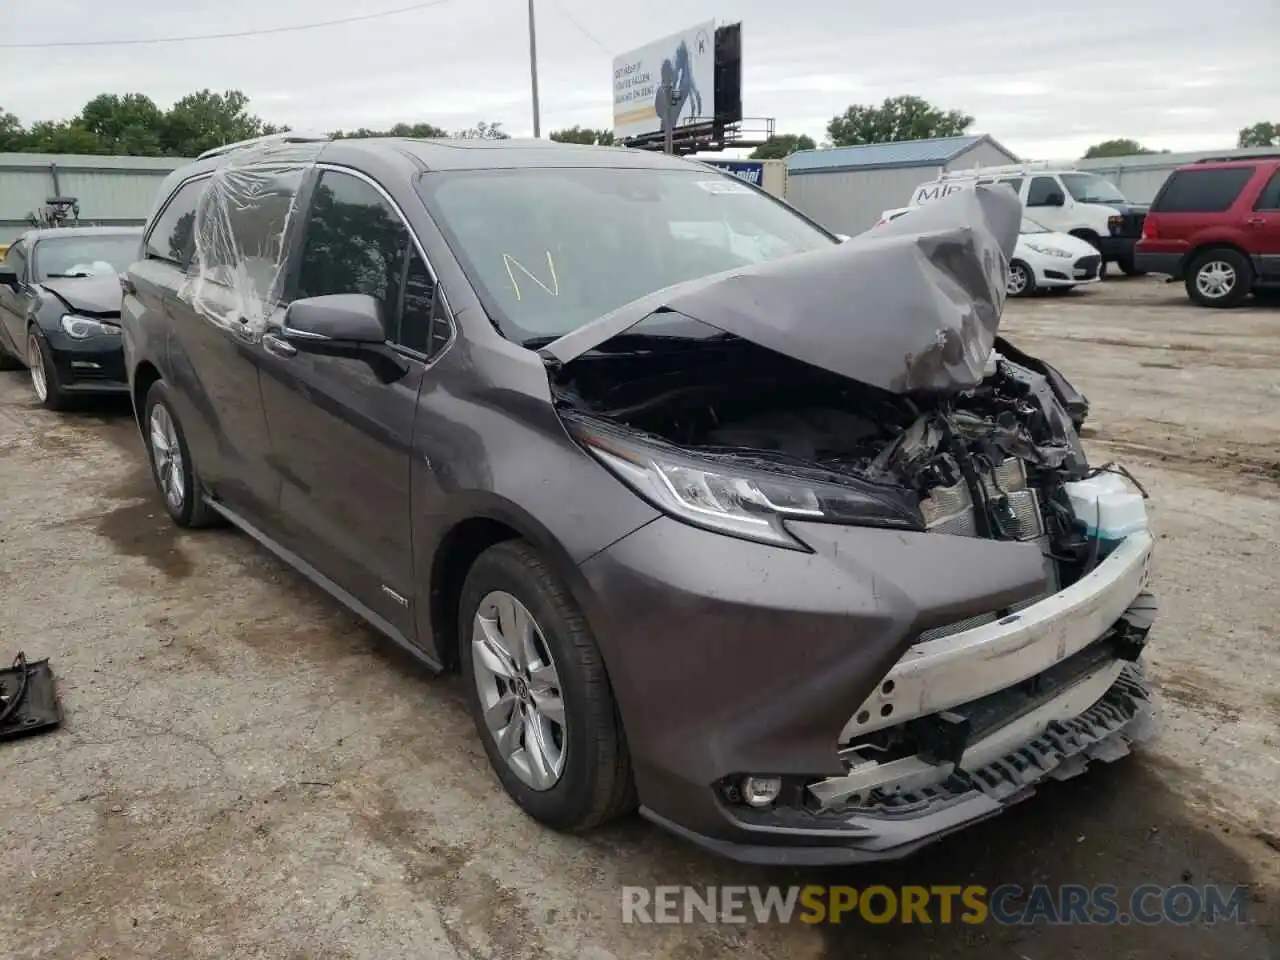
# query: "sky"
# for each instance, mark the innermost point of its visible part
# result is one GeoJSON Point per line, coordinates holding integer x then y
{"type": "Point", "coordinates": [1046, 81]}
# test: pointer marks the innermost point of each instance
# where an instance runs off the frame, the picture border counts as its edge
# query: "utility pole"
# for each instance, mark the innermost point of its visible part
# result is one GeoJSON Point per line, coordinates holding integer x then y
{"type": "Point", "coordinates": [533, 74]}
{"type": "Point", "coordinates": [668, 123]}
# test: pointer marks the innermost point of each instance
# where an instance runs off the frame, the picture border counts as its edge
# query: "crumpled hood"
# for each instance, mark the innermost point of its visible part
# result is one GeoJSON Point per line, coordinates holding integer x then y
{"type": "Point", "coordinates": [912, 305]}
{"type": "Point", "coordinates": [92, 295]}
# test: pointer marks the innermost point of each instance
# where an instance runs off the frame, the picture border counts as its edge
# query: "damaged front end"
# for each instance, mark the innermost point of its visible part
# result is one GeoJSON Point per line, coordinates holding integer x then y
{"type": "Point", "coordinates": [763, 404]}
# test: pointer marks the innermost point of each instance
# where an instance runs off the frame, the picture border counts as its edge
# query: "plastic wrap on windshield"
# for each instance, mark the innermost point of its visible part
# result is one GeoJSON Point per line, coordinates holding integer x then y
{"type": "Point", "coordinates": [913, 305]}
{"type": "Point", "coordinates": [242, 221]}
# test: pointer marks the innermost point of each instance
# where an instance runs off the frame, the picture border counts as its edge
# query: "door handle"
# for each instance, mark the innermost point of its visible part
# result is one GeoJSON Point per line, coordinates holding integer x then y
{"type": "Point", "coordinates": [1256, 222]}
{"type": "Point", "coordinates": [277, 347]}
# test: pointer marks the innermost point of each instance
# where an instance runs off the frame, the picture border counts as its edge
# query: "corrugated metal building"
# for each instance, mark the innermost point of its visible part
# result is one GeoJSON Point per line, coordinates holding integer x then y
{"type": "Point", "coordinates": [1140, 177]}
{"type": "Point", "coordinates": [112, 191]}
{"type": "Point", "coordinates": [846, 188]}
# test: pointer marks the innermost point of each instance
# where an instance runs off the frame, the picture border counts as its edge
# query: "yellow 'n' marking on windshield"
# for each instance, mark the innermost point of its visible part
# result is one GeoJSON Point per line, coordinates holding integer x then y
{"type": "Point", "coordinates": [553, 290]}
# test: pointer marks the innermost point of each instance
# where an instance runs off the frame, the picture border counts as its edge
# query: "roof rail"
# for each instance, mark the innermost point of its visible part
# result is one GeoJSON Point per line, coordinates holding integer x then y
{"type": "Point", "coordinates": [288, 137]}
{"type": "Point", "coordinates": [1006, 169]}
{"type": "Point", "coordinates": [1244, 159]}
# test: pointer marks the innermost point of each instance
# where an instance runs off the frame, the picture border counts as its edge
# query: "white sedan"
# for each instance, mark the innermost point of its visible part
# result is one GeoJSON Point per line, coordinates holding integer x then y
{"type": "Point", "coordinates": [1042, 260]}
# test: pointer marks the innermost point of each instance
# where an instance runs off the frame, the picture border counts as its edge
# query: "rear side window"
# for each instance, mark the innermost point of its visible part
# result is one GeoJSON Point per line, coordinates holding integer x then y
{"type": "Point", "coordinates": [1202, 191]}
{"type": "Point", "coordinates": [1269, 198]}
{"type": "Point", "coordinates": [172, 236]}
{"type": "Point", "coordinates": [1015, 184]}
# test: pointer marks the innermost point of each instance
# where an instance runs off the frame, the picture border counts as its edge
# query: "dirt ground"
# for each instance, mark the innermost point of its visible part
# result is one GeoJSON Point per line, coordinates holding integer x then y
{"type": "Point", "coordinates": [247, 772]}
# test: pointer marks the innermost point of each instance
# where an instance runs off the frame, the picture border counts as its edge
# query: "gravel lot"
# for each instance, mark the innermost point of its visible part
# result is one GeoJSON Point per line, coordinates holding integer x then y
{"type": "Point", "coordinates": [246, 771]}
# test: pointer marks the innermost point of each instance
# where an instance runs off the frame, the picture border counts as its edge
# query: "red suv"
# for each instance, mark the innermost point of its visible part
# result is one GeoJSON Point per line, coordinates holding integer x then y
{"type": "Point", "coordinates": [1215, 225]}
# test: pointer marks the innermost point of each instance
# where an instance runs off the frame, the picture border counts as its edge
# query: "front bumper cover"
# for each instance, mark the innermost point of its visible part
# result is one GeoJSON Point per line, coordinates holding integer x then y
{"type": "Point", "coordinates": [719, 676]}
{"type": "Point", "coordinates": [1103, 732]}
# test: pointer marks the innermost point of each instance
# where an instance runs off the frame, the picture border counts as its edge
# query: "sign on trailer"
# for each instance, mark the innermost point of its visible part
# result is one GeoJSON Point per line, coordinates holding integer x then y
{"type": "Point", "coordinates": [751, 171]}
{"type": "Point", "coordinates": [680, 66]}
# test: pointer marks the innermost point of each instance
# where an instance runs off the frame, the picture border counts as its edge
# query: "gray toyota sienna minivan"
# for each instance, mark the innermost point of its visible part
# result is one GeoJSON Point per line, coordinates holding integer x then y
{"type": "Point", "coordinates": [772, 536]}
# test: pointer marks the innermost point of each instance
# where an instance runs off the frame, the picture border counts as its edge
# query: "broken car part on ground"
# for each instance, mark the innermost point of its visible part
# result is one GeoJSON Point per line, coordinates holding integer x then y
{"type": "Point", "coordinates": [796, 552]}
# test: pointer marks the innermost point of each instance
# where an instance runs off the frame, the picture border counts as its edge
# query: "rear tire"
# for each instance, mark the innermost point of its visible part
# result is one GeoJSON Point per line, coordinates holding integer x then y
{"type": "Point", "coordinates": [172, 468]}
{"type": "Point", "coordinates": [1219, 277]}
{"type": "Point", "coordinates": [590, 780]}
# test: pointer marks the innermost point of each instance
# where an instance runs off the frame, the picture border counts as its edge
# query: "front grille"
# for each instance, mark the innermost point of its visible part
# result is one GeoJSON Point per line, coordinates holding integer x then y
{"type": "Point", "coordinates": [1131, 224]}
{"type": "Point", "coordinates": [1086, 268]}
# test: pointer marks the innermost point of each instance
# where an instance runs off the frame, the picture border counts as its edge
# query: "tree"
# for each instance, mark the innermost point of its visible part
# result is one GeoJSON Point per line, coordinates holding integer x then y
{"type": "Point", "coordinates": [897, 118]}
{"type": "Point", "coordinates": [419, 131]}
{"type": "Point", "coordinates": [577, 134]}
{"type": "Point", "coordinates": [60, 136]}
{"type": "Point", "coordinates": [203, 120]}
{"type": "Point", "coordinates": [1264, 134]}
{"type": "Point", "coordinates": [483, 131]}
{"type": "Point", "coordinates": [13, 136]}
{"type": "Point", "coordinates": [1121, 147]}
{"type": "Point", "coordinates": [129, 125]}
{"type": "Point", "coordinates": [782, 145]}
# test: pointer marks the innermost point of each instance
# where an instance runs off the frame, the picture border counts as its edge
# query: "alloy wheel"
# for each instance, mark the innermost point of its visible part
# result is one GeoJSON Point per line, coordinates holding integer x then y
{"type": "Point", "coordinates": [519, 689]}
{"type": "Point", "coordinates": [166, 453]}
{"type": "Point", "coordinates": [1216, 279]}
{"type": "Point", "coordinates": [35, 363]}
{"type": "Point", "coordinates": [1017, 280]}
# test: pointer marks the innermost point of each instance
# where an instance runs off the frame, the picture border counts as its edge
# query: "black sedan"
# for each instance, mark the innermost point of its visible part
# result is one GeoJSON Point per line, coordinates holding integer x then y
{"type": "Point", "coordinates": [60, 309]}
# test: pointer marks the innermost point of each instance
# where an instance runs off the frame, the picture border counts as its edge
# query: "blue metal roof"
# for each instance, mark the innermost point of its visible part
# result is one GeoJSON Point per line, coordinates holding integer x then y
{"type": "Point", "coordinates": [905, 153]}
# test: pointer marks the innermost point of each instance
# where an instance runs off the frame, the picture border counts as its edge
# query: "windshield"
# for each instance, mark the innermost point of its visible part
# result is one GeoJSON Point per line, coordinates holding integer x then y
{"type": "Point", "coordinates": [85, 256]}
{"type": "Point", "coordinates": [1030, 226]}
{"type": "Point", "coordinates": [1091, 188]}
{"type": "Point", "coordinates": [550, 249]}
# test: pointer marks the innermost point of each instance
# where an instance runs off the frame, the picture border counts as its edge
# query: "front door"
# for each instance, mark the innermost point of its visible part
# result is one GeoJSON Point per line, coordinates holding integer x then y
{"type": "Point", "coordinates": [1057, 217]}
{"type": "Point", "coordinates": [342, 428]}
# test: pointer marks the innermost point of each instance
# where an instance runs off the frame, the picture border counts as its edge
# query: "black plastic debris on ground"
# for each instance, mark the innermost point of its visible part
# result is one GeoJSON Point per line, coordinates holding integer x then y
{"type": "Point", "coordinates": [28, 699]}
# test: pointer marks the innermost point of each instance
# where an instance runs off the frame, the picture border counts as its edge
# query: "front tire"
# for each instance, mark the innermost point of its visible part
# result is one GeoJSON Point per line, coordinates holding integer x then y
{"type": "Point", "coordinates": [1219, 278]}
{"type": "Point", "coordinates": [539, 694]}
{"type": "Point", "coordinates": [1022, 280]}
{"type": "Point", "coordinates": [1130, 269]}
{"type": "Point", "coordinates": [45, 383]}
{"type": "Point", "coordinates": [172, 468]}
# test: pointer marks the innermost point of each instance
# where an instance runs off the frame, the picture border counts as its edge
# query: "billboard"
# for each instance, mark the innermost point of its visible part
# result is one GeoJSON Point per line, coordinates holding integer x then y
{"type": "Point", "coordinates": [680, 67]}
{"type": "Point", "coordinates": [751, 171]}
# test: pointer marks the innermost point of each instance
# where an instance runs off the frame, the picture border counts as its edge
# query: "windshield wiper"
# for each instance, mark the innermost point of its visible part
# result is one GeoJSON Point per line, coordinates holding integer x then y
{"type": "Point", "coordinates": [67, 276]}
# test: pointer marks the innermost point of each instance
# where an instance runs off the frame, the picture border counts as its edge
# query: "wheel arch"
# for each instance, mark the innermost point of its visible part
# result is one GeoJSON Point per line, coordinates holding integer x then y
{"type": "Point", "coordinates": [145, 374]}
{"type": "Point", "coordinates": [487, 521]}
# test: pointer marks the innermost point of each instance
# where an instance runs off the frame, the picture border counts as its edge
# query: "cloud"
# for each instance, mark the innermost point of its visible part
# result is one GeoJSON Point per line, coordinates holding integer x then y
{"type": "Point", "coordinates": [1162, 73]}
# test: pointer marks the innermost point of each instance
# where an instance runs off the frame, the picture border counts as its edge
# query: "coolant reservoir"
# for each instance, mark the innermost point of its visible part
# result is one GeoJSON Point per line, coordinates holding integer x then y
{"type": "Point", "coordinates": [1110, 508]}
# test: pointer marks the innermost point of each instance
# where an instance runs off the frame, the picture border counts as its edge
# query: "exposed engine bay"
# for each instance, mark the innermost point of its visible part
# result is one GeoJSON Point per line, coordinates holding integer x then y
{"type": "Point", "coordinates": [990, 461]}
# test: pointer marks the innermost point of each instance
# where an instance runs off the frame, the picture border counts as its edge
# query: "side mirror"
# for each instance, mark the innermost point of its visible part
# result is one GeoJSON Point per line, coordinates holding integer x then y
{"type": "Point", "coordinates": [9, 276]}
{"type": "Point", "coordinates": [338, 319]}
{"type": "Point", "coordinates": [1055, 199]}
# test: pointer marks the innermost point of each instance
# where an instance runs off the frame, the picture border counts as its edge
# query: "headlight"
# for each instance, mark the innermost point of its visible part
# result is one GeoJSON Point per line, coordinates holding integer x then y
{"type": "Point", "coordinates": [1050, 251]}
{"type": "Point", "coordinates": [82, 328]}
{"type": "Point", "coordinates": [739, 501]}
